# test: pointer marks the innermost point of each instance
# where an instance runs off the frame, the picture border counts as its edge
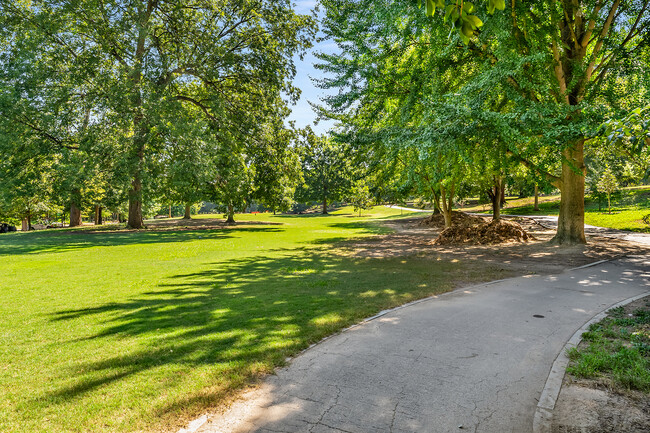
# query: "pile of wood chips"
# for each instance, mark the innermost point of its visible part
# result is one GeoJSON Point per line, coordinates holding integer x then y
{"type": "Point", "coordinates": [494, 232]}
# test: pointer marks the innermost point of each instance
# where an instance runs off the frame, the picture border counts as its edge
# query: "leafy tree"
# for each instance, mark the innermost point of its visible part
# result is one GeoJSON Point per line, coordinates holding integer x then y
{"type": "Point", "coordinates": [360, 196]}
{"type": "Point", "coordinates": [135, 65]}
{"type": "Point", "coordinates": [274, 154]}
{"type": "Point", "coordinates": [608, 184]}
{"type": "Point", "coordinates": [326, 169]}
{"type": "Point", "coordinates": [540, 78]}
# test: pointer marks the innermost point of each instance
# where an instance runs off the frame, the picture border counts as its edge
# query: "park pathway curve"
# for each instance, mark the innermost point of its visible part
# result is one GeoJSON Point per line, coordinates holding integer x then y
{"type": "Point", "coordinates": [471, 360]}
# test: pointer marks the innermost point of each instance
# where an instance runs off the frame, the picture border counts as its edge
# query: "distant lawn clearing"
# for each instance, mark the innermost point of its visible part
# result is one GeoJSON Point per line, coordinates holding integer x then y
{"type": "Point", "coordinates": [628, 209]}
{"type": "Point", "coordinates": [141, 331]}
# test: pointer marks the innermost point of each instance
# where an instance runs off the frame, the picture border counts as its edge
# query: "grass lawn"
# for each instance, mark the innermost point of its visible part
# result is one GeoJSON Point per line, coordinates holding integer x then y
{"type": "Point", "coordinates": [617, 350]}
{"type": "Point", "coordinates": [629, 206]}
{"type": "Point", "coordinates": [141, 331]}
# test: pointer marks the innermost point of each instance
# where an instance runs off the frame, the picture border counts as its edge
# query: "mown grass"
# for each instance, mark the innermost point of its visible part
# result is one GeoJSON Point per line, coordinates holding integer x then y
{"type": "Point", "coordinates": [629, 206]}
{"type": "Point", "coordinates": [141, 331]}
{"type": "Point", "coordinates": [618, 350]}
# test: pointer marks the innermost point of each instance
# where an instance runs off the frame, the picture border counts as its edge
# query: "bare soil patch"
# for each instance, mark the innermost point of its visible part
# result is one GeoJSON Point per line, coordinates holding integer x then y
{"type": "Point", "coordinates": [412, 236]}
{"type": "Point", "coordinates": [598, 405]}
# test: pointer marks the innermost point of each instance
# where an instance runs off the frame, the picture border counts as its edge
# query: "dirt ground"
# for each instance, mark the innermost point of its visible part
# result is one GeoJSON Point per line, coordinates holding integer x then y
{"type": "Point", "coordinates": [595, 406]}
{"type": "Point", "coordinates": [413, 237]}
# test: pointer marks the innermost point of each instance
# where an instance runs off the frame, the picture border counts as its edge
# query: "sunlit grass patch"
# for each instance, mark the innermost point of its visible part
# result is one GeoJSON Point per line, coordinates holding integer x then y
{"type": "Point", "coordinates": [141, 331]}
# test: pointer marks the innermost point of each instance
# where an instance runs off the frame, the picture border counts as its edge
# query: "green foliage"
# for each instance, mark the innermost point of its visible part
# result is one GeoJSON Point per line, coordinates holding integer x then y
{"type": "Point", "coordinates": [617, 349]}
{"type": "Point", "coordinates": [608, 184]}
{"type": "Point", "coordinates": [120, 81]}
{"type": "Point", "coordinates": [360, 196]}
{"type": "Point", "coordinates": [459, 15]}
{"type": "Point", "coordinates": [326, 168]}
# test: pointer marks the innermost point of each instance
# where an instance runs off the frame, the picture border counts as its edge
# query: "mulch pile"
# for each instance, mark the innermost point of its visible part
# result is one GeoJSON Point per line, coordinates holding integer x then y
{"type": "Point", "coordinates": [457, 219]}
{"type": "Point", "coordinates": [494, 232]}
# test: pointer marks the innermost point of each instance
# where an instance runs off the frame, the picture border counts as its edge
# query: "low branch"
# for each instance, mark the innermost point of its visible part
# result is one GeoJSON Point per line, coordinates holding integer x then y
{"type": "Point", "coordinates": [552, 179]}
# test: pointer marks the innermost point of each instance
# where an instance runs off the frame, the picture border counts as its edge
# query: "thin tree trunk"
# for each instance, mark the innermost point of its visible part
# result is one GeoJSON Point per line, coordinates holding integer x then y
{"type": "Point", "coordinates": [495, 197]}
{"type": "Point", "coordinates": [571, 221]}
{"type": "Point", "coordinates": [24, 225]}
{"type": "Point", "coordinates": [325, 203]}
{"type": "Point", "coordinates": [536, 207]}
{"type": "Point", "coordinates": [97, 218]}
{"type": "Point", "coordinates": [447, 202]}
{"type": "Point", "coordinates": [231, 215]}
{"type": "Point", "coordinates": [609, 205]}
{"type": "Point", "coordinates": [75, 215]}
{"type": "Point", "coordinates": [100, 218]}
{"type": "Point", "coordinates": [170, 211]}
{"type": "Point", "coordinates": [188, 212]}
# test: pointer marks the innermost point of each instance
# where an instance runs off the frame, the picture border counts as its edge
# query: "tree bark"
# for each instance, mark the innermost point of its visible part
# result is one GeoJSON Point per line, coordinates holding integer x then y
{"type": "Point", "coordinates": [75, 215]}
{"type": "Point", "coordinates": [325, 203]}
{"type": "Point", "coordinates": [170, 211]}
{"type": "Point", "coordinates": [24, 225]}
{"type": "Point", "coordinates": [188, 212]}
{"type": "Point", "coordinates": [231, 215]}
{"type": "Point", "coordinates": [571, 221]}
{"type": "Point", "coordinates": [447, 203]}
{"type": "Point", "coordinates": [139, 124]}
{"type": "Point", "coordinates": [536, 207]}
{"type": "Point", "coordinates": [135, 203]}
{"type": "Point", "coordinates": [496, 197]}
{"type": "Point", "coordinates": [98, 215]}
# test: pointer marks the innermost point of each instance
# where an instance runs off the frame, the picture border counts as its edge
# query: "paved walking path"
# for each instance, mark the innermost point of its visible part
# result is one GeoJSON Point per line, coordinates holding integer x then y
{"type": "Point", "coordinates": [472, 360]}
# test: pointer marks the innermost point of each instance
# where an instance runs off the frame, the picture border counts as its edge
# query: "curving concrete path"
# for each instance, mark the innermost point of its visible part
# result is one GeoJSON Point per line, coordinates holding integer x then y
{"type": "Point", "coordinates": [472, 360]}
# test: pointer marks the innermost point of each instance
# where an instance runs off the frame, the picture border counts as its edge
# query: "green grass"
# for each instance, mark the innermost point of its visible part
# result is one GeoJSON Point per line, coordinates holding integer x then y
{"type": "Point", "coordinates": [629, 206]}
{"type": "Point", "coordinates": [618, 350]}
{"type": "Point", "coordinates": [140, 331]}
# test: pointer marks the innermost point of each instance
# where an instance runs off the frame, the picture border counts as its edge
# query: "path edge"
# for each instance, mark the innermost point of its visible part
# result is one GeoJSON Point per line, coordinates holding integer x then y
{"type": "Point", "coordinates": [543, 419]}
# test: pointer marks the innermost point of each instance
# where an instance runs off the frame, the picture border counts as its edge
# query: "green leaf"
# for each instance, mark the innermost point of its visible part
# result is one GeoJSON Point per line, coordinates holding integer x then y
{"type": "Point", "coordinates": [431, 8]}
{"type": "Point", "coordinates": [475, 21]}
{"type": "Point", "coordinates": [500, 4]}
{"type": "Point", "coordinates": [469, 7]}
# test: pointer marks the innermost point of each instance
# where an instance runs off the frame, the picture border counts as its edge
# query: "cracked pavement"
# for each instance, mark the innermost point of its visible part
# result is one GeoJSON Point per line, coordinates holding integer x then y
{"type": "Point", "coordinates": [472, 360]}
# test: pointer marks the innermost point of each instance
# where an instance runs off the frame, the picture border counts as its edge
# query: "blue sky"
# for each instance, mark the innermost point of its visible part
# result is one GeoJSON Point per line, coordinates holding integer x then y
{"type": "Point", "coordinates": [302, 112]}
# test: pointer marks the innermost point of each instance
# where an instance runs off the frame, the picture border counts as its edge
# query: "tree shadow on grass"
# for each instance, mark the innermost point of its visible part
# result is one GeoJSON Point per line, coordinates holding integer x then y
{"type": "Point", "coordinates": [53, 242]}
{"type": "Point", "coordinates": [241, 318]}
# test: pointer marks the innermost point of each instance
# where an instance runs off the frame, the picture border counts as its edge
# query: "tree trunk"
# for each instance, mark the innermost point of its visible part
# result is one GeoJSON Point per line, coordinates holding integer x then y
{"type": "Point", "coordinates": [231, 215]}
{"type": "Point", "coordinates": [496, 197]}
{"type": "Point", "coordinates": [139, 125]}
{"type": "Point", "coordinates": [188, 212]}
{"type": "Point", "coordinates": [324, 204]}
{"type": "Point", "coordinates": [502, 200]}
{"type": "Point", "coordinates": [571, 221]}
{"type": "Point", "coordinates": [447, 203]}
{"type": "Point", "coordinates": [98, 215]}
{"type": "Point", "coordinates": [536, 207]}
{"type": "Point", "coordinates": [135, 203]}
{"type": "Point", "coordinates": [170, 211]}
{"type": "Point", "coordinates": [609, 205]}
{"type": "Point", "coordinates": [25, 225]}
{"type": "Point", "coordinates": [75, 215]}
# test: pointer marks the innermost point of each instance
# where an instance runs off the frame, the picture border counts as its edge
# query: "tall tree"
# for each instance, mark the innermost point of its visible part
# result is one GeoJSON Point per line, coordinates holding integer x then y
{"type": "Point", "coordinates": [543, 75]}
{"type": "Point", "coordinates": [326, 170]}
{"type": "Point", "coordinates": [143, 60]}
